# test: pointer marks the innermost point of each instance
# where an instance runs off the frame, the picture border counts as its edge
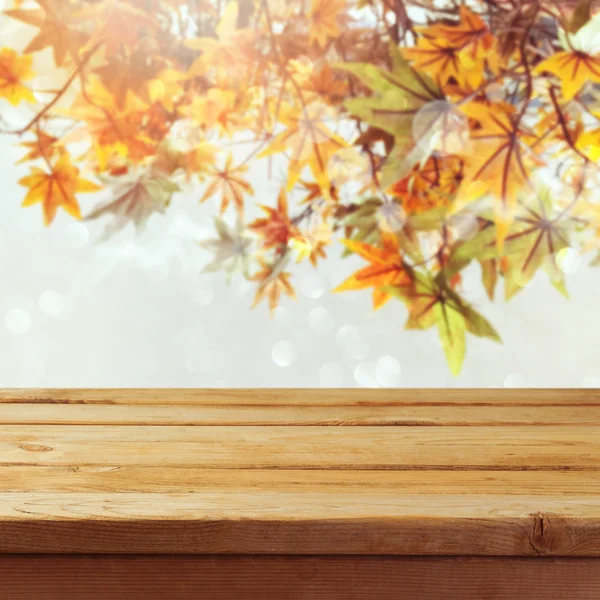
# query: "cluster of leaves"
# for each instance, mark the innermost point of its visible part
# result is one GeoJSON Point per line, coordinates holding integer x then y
{"type": "Point", "coordinates": [428, 134]}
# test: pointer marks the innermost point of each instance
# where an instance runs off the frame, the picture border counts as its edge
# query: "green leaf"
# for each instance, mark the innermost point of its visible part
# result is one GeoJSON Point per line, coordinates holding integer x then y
{"type": "Point", "coordinates": [452, 330]}
{"type": "Point", "coordinates": [135, 203]}
{"type": "Point", "coordinates": [231, 250]}
{"type": "Point", "coordinates": [398, 95]}
{"type": "Point", "coordinates": [478, 325]}
{"type": "Point", "coordinates": [533, 242]}
{"type": "Point", "coordinates": [489, 276]}
{"type": "Point", "coordinates": [430, 220]}
{"type": "Point", "coordinates": [481, 246]}
{"type": "Point", "coordinates": [581, 15]}
{"type": "Point", "coordinates": [363, 220]}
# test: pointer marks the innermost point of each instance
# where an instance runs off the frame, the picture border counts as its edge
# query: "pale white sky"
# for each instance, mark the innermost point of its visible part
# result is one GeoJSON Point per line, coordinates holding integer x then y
{"type": "Point", "coordinates": [137, 312]}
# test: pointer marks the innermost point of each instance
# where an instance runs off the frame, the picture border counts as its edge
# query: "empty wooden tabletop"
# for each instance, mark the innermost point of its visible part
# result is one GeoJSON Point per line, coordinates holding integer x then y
{"type": "Point", "coordinates": [338, 472]}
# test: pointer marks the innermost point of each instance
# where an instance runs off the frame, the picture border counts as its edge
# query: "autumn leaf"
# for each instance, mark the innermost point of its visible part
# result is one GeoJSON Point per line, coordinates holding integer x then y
{"type": "Point", "coordinates": [533, 242]}
{"type": "Point", "coordinates": [45, 146]}
{"type": "Point", "coordinates": [54, 20]}
{"type": "Point", "coordinates": [386, 269]}
{"type": "Point", "coordinates": [230, 184]}
{"type": "Point", "coordinates": [311, 244]}
{"type": "Point", "coordinates": [114, 129]}
{"type": "Point", "coordinates": [323, 20]}
{"type": "Point", "coordinates": [276, 228]}
{"type": "Point", "coordinates": [308, 140]}
{"type": "Point", "coordinates": [579, 62]}
{"type": "Point", "coordinates": [399, 94]}
{"type": "Point", "coordinates": [135, 203]}
{"type": "Point", "coordinates": [574, 69]}
{"type": "Point", "coordinates": [459, 51]}
{"type": "Point", "coordinates": [498, 164]}
{"type": "Point", "coordinates": [361, 223]}
{"type": "Point", "coordinates": [15, 69]}
{"type": "Point", "coordinates": [273, 281]}
{"type": "Point", "coordinates": [429, 185]}
{"type": "Point", "coordinates": [230, 250]}
{"type": "Point", "coordinates": [431, 302]}
{"type": "Point", "coordinates": [56, 188]}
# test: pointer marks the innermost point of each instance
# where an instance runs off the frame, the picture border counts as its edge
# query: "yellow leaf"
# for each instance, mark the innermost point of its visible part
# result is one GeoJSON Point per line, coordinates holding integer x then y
{"type": "Point", "coordinates": [56, 189]}
{"type": "Point", "coordinates": [323, 20]}
{"type": "Point", "coordinates": [15, 69]}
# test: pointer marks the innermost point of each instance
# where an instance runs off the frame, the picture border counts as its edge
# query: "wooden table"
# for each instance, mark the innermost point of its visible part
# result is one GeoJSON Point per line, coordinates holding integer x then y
{"type": "Point", "coordinates": [299, 494]}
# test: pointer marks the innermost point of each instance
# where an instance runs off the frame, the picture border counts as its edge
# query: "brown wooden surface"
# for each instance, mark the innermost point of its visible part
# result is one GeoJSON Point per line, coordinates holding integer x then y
{"type": "Point", "coordinates": [296, 578]}
{"type": "Point", "coordinates": [354, 472]}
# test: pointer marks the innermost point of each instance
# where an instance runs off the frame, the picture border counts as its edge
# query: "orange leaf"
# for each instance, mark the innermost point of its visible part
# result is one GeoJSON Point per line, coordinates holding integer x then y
{"type": "Point", "coordinates": [56, 188]}
{"type": "Point", "coordinates": [386, 269]}
{"type": "Point", "coordinates": [15, 69]}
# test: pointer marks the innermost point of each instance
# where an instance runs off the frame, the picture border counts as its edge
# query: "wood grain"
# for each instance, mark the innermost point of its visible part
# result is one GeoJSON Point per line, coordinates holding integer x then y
{"type": "Point", "coordinates": [321, 472]}
{"type": "Point", "coordinates": [477, 447]}
{"type": "Point", "coordinates": [353, 415]}
{"type": "Point", "coordinates": [305, 397]}
{"type": "Point", "coordinates": [284, 523]}
{"type": "Point", "coordinates": [156, 479]}
{"type": "Point", "coordinates": [295, 578]}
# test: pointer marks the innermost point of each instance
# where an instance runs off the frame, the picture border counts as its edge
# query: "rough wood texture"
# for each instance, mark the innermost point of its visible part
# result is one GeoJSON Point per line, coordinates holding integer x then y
{"type": "Point", "coordinates": [320, 472]}
{"type": "Point", "coordinates": [296, 578]}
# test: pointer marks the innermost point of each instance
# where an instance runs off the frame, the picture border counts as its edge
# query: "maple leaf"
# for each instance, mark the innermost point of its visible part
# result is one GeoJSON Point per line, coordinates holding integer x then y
{"type": "Point", "coordinates": [217, 108]}
{"type": "Point", "coordinates": [323, 20]}
{"type": "Point", "coordinates": [387, 268]}
{"type": "Point", "coordinates": [431, 302]}
{"type": "Point", "coordinates": [360, 222]}
{"type": "Point", "coordinates": [312, 243]}
{"type": "Point", "coordinates": [276, 228]}
{"type": "Point", "coordinates": [459, 50]}
{"type": "Point", "coordinates": [574, 69]}
{"type": "Point", "coordinates": [55, 23]}
{"type": "Point", "coordinates": [118, 24]}
{"type": "Point", "coordinates": [45, 146]}
{"type": "Point", "coordinates": [231, 250]}
{"type": "Point", "coordinates": [498, 164]}
{"type": "Point", "coordinates": [114, 129]}
{"type": "Point", "coordinates": [274, 281]}
{"type": "Point", "coordinates": [399, 95]}
{"type": "Point", "coordinates": [533, 242]}
{"type": "Point", "coordinates": [429, 185]}
{"type": "Point", "coordinates": [309, 141]}
{"type": "Point", "coordinates": [15, 69]}
{"type": "Point", "coordinates": [579, 62]}
{"type": "Point", "coordinates": [135, 202]}
{"type": "Point", "coordinates": [231, 185]}
{"type": "Point", "coordinates": [323, 84]}
{"type": "Point", "coordinates": [56, 189]}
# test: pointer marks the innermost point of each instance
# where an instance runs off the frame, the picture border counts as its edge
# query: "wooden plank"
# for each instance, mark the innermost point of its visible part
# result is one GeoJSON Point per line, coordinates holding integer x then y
{"type": "Point", "coordinates": [516, 448]}
{"type": "Point", "coordinates": [306, 397]}
{"type": "Point", "coordinates": [274, 522]}
{"type": "Point", "coordinates": [398, 415]}
{"type": "Point", "coordinates": [296, 578]}
{"type": "Point", "coordinates": [115, 479]}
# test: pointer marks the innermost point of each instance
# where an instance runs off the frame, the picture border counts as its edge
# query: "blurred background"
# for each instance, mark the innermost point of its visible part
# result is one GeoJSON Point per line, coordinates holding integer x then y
{"type": "Point", "coordinates": [138, 311]}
